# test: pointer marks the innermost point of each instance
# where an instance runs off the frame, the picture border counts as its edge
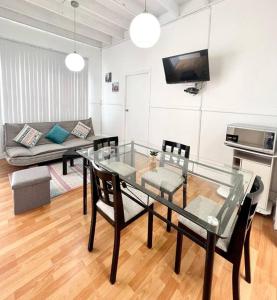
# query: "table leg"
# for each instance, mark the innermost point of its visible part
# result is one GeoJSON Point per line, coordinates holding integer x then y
{"type": "Point", "coordinates": [209, 263]}
{"type": "Point", "coordinates": [85, 182]}
{"type": "Point", "coordinates": [64, 166]}
{"type": "Point", "coordinates": [71, 162]}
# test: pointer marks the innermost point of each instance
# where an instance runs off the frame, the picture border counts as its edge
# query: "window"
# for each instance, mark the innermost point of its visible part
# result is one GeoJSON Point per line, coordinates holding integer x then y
{"type": "Point", "coordinates": [35, 85]}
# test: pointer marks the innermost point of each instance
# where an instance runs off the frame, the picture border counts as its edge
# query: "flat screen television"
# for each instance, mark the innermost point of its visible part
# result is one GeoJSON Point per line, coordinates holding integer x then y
{"type": "Point", "coordinates": [189, 67]}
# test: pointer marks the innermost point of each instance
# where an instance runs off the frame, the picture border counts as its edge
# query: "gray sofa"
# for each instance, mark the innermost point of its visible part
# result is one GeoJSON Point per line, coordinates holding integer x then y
{"type": "Point", "coordinates": [45, 150]}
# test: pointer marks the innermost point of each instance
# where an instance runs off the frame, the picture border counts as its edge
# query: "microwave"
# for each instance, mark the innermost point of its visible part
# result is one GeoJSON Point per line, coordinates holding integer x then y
{"type": "Point", "coordinates": [251, 137]}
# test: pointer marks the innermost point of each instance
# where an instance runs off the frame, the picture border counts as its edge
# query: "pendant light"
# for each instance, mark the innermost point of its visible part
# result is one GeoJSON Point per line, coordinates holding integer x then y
{"type": "Point", "coordinates": [74, 61]}
{"type": "Point", "coordinates": [145, 29]}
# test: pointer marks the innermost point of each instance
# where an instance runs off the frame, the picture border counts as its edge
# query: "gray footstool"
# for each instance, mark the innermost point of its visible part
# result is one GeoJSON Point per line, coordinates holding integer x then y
{"type": "Point", "coordinates": [31, 188]}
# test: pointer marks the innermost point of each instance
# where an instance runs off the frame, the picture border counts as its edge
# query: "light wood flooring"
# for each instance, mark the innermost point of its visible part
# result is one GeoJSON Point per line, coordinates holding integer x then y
{"type": "Point", "coordinates": [43, 255]}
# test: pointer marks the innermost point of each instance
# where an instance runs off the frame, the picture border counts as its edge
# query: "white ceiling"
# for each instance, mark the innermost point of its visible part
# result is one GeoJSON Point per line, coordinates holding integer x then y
{"type": "Point", "coordinates": [99, 22]}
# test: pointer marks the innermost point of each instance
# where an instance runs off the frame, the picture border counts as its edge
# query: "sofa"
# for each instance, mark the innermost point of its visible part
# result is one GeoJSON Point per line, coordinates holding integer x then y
{"type": "Point", "coordinates": [45, 150]}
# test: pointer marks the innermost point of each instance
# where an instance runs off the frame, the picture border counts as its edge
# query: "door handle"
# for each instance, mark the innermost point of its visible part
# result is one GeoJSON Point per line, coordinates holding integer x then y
{"type": "Point", "coordinates": [126, 109]}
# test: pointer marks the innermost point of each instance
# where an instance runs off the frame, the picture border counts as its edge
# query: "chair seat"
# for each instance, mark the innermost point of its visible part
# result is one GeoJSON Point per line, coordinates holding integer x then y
{"type": "Point", "coordinates": [131, 208]}
{"type": "Point", "coordinates": [121, 168]}
{"type": "Point", "coordinates": [164, 178]}
{"type": "Point", "coordinates": [204, 207]}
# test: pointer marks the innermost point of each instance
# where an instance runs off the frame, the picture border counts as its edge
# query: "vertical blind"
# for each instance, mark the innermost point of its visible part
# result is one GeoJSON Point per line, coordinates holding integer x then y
{"type": "Point", "coordinates": [36, 86]}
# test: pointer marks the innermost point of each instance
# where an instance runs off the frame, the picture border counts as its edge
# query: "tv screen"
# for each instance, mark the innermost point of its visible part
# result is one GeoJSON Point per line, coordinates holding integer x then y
{"type": "Point", "coordinates": [189, 67]}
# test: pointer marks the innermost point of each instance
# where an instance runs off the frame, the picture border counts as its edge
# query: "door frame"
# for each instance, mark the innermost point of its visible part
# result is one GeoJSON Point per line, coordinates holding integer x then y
{"type": "Point", "coordinates": [143, 71]}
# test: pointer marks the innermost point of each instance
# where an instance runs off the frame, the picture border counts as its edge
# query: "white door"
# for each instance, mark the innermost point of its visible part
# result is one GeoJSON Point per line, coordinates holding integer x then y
{"type": "Point", "coordinates": [137, 107]}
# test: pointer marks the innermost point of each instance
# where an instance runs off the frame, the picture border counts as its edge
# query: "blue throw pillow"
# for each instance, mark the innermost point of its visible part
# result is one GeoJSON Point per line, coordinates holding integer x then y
{"type": "Point", "coordinates": [57, 134]}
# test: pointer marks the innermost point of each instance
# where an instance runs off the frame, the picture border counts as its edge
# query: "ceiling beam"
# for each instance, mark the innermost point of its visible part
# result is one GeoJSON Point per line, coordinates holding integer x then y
{"type": "Point", "coordinates": [16, 17]}
{"type": "Point", "coordinates": [22, 7]}
{"type": "Point", "coordinates": [82, 16]}
{"type": "Point", "coordinates": [129, 8]}
{"type": "Point", "coordinates": [171, 6]}
{"type": "Point", "coordinates": [106, 14]}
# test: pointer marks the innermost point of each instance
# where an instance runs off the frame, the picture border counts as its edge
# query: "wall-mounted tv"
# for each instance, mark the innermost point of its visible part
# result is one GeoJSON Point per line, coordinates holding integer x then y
{"type": "Point", "coordinates": [189, 67]}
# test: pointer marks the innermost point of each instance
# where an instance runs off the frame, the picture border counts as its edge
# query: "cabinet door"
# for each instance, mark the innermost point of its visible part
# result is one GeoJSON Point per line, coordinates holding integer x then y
{"type": "Point", "coordinates": [265, 172]}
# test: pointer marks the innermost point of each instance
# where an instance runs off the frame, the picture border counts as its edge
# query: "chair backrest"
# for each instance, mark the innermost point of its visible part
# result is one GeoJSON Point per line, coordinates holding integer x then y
{"type": "Point", "coordinates": [105, 142]}
{"type": "Point", "coordinates": [170, 152]}
{"type": "Point", "coordinates": [106, 187]}
{"type": "Point", "coordinates": [245, 217]}
{"type": "Point", "coordinates": [176, 148]}
{"type": "Point", "coordinates": [256, 189]}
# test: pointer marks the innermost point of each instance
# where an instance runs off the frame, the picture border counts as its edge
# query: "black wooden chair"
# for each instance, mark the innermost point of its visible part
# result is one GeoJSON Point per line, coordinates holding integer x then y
{"type": "Point", "coordinates": [105, 142]}
{"type": "Point", "coordinates": [117, 208]}
{"type": "Point", "coordinates": [166, 180]}
{"type": "Point", "coordinates": [117, 166]}
{"type": "Point", "coordinates": [232, 248]}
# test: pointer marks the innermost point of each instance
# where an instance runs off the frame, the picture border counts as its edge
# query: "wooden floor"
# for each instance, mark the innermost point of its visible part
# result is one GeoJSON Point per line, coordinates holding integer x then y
{"type": "Point", "coordinates": [43, 254]}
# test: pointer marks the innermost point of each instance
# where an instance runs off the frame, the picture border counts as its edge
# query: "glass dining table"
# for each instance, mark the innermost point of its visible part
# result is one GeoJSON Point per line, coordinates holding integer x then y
{"type": "Point", "coordinates": [174, 181]}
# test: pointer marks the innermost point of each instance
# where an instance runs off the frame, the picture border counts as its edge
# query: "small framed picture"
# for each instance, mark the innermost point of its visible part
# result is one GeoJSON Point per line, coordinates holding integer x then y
{"type": "Point", "coordinates": [108, 77]}
{"type": "Point", "coordinates": [115, 86]}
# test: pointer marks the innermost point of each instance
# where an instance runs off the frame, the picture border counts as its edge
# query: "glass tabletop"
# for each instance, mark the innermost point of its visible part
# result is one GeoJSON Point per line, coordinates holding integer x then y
{"type": "Point", "coordinates": [213, 192]}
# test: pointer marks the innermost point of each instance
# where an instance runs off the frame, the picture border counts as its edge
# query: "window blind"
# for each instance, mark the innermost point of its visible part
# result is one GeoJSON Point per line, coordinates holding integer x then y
{"type": "Point", "coordinates": [35, 85]}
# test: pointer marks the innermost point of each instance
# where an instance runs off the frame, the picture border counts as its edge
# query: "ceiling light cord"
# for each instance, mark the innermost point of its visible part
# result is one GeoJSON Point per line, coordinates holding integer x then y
{"type": "Point", "coordinates": [74, 61]}
{"type": "Point", "coordinates": [74, 30]}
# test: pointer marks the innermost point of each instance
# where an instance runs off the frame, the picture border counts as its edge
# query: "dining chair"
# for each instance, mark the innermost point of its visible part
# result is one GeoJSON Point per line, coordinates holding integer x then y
{"type": "Point", "coordinates": [117, 166]}
{"type": "Point", "coordinates": [167, 180]}
{"type": "Point", "coordinates": [232, 247]}
{"type": "Point", "coordinates": [117, 208]}
{"type": "Point", "coordinates": [105, 142]}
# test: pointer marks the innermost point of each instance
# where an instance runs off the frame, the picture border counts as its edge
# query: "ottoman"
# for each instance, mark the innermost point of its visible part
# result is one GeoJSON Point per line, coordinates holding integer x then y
{"type": "Point", "coordinates": [31, 188]}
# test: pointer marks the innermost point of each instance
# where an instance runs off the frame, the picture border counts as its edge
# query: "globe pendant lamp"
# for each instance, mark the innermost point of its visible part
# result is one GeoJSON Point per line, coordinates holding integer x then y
{"type": "Point", "coordinates": [145, 30]}
{"type": "Point", "coordinates": [74, 61]}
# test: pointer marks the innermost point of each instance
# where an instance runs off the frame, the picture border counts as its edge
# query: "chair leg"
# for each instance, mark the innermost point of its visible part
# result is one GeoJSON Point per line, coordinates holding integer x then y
{"type": "Point", "coordinates": [235, 281]}
{"type": "Point", "coordinates": [115, 255]}
{"type": "Point", "coordinates": [169, 215]}
{"type": "Point", "coordinates": [184, 195]}
{"type": "Point", "coordinates": [178, 255]}
{"type": "Point", "coordinates": [247, 257]}
{"type": "Point", "coordinates": [150, 228]}
{"type": "Point", "coordinates": [92, 230]}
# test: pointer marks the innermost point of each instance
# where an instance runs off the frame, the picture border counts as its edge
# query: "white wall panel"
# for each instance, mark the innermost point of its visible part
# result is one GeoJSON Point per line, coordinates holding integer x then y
{"type": "Point", "coordinates": [95, 113]}
{"type": "Point", "coordinates": [174, 125]}
{"type": "Point", "coordinates": [243, 60]}
{"type": "Point", "coordinates": [113, 120]}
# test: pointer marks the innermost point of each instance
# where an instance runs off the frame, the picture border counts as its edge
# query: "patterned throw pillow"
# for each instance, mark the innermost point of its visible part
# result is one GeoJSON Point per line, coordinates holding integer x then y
{"type": "Point", "coordinates": [81, 130]}
{"type": "Point", "coordinates": [28, 136]}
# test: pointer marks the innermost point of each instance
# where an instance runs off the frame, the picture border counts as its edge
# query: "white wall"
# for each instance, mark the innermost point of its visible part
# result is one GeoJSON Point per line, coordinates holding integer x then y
{"type": "Point", "coordinates": [179, 111]}
{"type": "Point", "coordinates": [21, 33]}
{"type": "Point", "coordinates": [242, 52]}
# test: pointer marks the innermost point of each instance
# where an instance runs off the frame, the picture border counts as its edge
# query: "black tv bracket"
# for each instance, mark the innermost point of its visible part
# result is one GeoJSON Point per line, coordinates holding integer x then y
{"type": "Point", "coordinates": [193, 88]}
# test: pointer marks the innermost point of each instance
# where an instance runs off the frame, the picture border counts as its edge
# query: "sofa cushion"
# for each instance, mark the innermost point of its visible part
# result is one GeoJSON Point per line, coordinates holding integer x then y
{"type": "Point", "coordinates": [41, 149]}
{"type": "Point", "coordinates": [35, 159]}
{"type": "Point", "coordinates": [28, 136]}
{"type": "Point", "coordinates": [57, 134]}
{"type": "Point", "coordinates": [18, 151]}
{"type": "Point", "coordinates": [76, 143]}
